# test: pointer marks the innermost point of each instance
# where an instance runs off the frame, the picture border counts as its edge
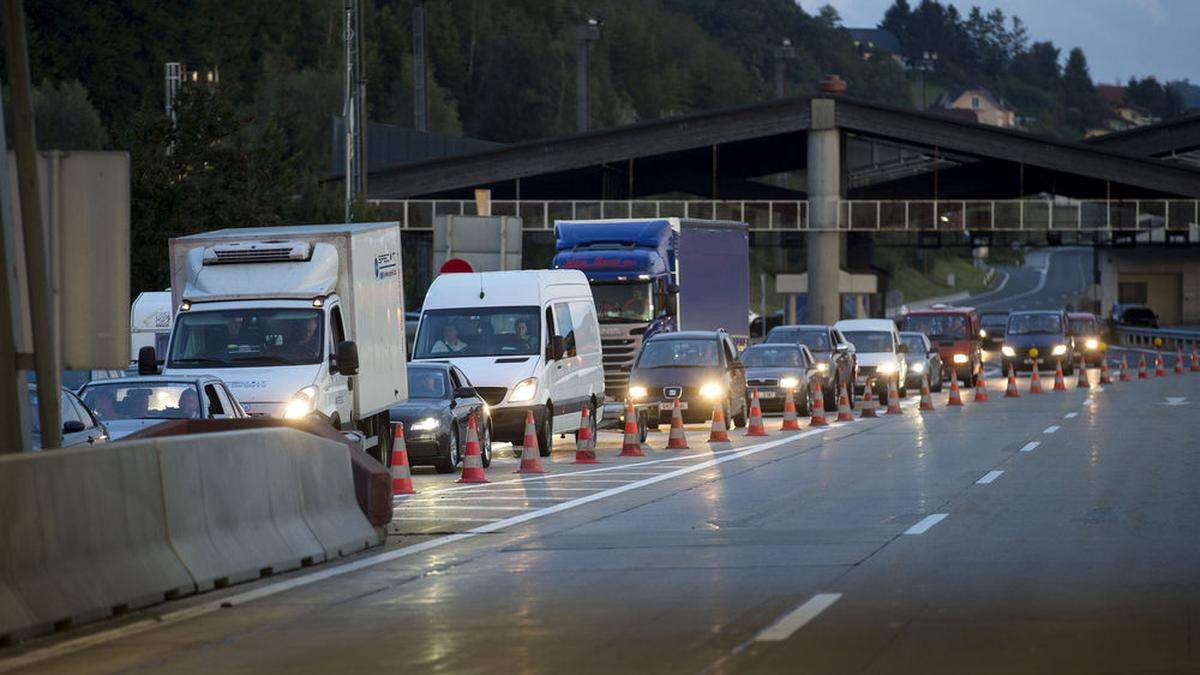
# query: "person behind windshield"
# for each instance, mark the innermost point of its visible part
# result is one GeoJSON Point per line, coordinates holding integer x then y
{"type": "Point", "coordinates": [450, 341]}
{"type": "Point", "coordinates": [301, 339]}
{"type": "Point", "coordinates": [524, 336]}
{"type": "Point", "coordinates": [189, 405]}
{"type": "Point", "coordinates": [427, 385]}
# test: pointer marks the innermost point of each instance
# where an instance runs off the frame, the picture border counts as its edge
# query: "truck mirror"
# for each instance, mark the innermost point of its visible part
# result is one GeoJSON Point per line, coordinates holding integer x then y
{"type": "Point", "coordinates": [346, 357]}
{"type": "Point", "coordinates": [147, 361]}
{"type": "Point", "coordinates": [673, 289]}
{"type": "Point", "coordinates": [557, 348]}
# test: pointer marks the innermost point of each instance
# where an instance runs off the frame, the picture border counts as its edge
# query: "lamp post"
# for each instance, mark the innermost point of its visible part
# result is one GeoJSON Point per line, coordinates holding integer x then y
{"type": "Point", "coordinates": [586, 34]}
{"type": "Point", "coordinates": [783, 52]}
{"type": "Point", "coordinates": [926, 63]}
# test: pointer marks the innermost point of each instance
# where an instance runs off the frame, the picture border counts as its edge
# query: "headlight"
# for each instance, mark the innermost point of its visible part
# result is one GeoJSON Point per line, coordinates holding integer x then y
{"type": "Point", "coordinates": [789, 383]}
{"type": "Point", "coordinates": [886, 368]}
{"type": "Point", "coordinates": [524, 390]}
{"type": "Point", "coordinates": [1091, 343]}
{"type": "Point", "coordinates": [302, 404]}
{"type": "Point", "coordinates": [637, 391]}
{"type": "Point", "coordinates": [918, 368]}
{"type": "Point", "coordinates": [961, 358]}
{"type": "Point", "coordinates": [1058, 350]}
{"type": "Point", "coordinates": [712, 390]}
{"type": "Point", "coordinates": [822, 367]}
{"type": "Point", "coordinates": [982, 333]}
{"type": "Point", "coordinates": [1008, 351]}
{"type": "Point", "coordinates": [427, 424]}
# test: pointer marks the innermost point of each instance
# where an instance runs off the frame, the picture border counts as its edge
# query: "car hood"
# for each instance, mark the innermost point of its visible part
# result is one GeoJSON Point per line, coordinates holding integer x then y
{"type": "Point", "coordinates": [492, 371]}
{"type": "Point", "coordinates": [650, 378]}
{"type": "Point", "coordinates": [413, 410]}
{"type": "Point", "coordinates": [876, 358]}
{"type": "Point", "coordinates": [780, 372]}
{"type": "Point", "coordinates": [260, 384]}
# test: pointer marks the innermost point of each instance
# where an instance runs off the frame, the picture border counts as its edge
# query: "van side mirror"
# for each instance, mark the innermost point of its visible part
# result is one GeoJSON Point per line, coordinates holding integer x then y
{"type": "Point", "coordinates": [147, 361]}
{"type": "Point", "coordinates": [346, 357]}
{"type": "Point", "coordinates": [557, 348]}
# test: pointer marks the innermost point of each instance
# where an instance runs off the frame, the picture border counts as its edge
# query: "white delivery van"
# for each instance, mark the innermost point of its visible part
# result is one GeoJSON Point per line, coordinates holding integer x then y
{"type": "Point", "coordinates": [527, 340]}
{"type": "Point", "coordinates": [880, 354]}
{"type": "Point", "coordinates": [298, 321]}
{"type": "Point", "coordinates": [150, 322]}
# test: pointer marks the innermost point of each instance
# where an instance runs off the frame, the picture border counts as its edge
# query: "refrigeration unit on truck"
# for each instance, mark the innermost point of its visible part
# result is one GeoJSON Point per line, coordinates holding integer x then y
{"type": "Point", "coordinates": [299, 321]}
{"type": "Point", "coordinates": [658, 274]}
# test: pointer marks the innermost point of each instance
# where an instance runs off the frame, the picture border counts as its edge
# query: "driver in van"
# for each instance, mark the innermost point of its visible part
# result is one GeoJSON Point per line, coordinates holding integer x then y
{"type": "Point", "coordinates": [450, 341]}
{"type": "Point", "coordinates": [523, 335]}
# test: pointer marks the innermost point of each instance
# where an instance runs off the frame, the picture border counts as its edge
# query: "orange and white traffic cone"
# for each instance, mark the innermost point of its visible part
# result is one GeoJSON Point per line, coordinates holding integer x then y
{"type": "Point", "coordinates": [632, 444]}
{"type": "Point", "coordinates": [1084, 380]}
{"type": "Point", "coordinates": [585, 445]}
{"type": "Point", "coordinates": [868, 402]}
{"type": "Point", "coordinates": [955, 395]}
{"type": "Point", "coordinates": [677, 439]}
{"type": "Point", "coordinates": [1158, 364]}
{"type": "Point", "coordinates": [844, 413]}
{"type": "Point", "coordinates": [1195, 359]}
{"type": "Point", "coordinates": [472, 468]}
{"type": "Point", "coordinates": [1035, 381]}
{"type": "Point", "coordinates": [981, 394]}
{"type": "Point", "coordinates": [926, 397]}
{"type": "Point", "coordinates": [1142, 375]}
{"type": "Point", "coordinates": [893, 400]}
{"type": "Point", "coordinates": [401, 473]}
{"type": "Point", "coordinates": [1178, 360]}
{"type": "Point", "coordinates": [531, 459]}
{"type": "Point", "coordinates": [1124, 369]}
{"type": "Point", "coordinates": [1105, 374]}
{"type": "Point", "coordinates": [718, 434]}
{"type": "Point", "coordinates": [817, 411]}
{"type": "Point", "coordinates": [1059, 383]}
{"type": "Point", "coordinates": [755, 427]}
{"type": "Point", "coordinates": [1012, 391]}
{"type": "Point", "coordinates": [790, 421]}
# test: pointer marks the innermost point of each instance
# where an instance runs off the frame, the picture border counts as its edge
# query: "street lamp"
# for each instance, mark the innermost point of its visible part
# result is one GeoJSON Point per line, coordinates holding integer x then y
{"type": "Point", "coordinates": [783, 52]}
{"type": "Point", "coordinates": [586, 34]}
{"type": "Point", "coordinates": [926, 63]}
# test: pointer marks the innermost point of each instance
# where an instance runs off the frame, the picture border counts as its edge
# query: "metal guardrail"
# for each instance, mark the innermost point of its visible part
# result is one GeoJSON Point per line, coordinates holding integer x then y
{"type": "Point", "coordinates": [1172, 338]}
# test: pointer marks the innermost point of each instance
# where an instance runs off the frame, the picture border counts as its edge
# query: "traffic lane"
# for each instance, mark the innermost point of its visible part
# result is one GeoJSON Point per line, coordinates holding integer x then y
{"type": "Point", "coordinates": [1079, 557]}
{"type": "Point", "coordinates": [1066, 276]}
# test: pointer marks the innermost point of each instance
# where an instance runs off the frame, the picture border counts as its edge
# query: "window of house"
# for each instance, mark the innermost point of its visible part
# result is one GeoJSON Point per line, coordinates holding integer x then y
{"type": "Point", "coordinates": [975, 102]}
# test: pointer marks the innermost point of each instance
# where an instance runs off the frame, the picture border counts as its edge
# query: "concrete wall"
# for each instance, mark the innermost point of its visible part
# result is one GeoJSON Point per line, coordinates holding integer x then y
{"type": "Point", "coordinates": [1172, 276]}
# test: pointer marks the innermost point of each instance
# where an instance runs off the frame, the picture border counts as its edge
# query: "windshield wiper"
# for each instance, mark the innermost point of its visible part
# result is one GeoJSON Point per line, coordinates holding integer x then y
{"type": "Point", "coordinates": [268, 358]}
{"type": "Point", "coordinates": [196, 359]}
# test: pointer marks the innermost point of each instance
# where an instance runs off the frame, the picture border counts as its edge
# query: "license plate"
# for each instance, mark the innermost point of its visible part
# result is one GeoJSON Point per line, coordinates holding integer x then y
{"type": "Point", "coordinates": [670, 405]}
{"type": "Point", "coordinates": [766, 394]}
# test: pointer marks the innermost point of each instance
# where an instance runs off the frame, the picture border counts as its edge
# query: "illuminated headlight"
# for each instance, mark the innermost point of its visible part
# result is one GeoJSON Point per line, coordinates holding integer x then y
{"type": "Point", "coordinates": [886, 368]}
{"type": "Point", "coordinates": [1058, 350]}
{"type": "Point", "coordinates": [524, 391]}
{"type": "Point", "coordinates": [961, 358]}
{"type": "Point", "coordinates": [822, 367]}
{"type": "Point", "coordinates": [637, 391]}
{"type": "Point", "coordinates": [982, 333]}
{"type": "Point", "coordinates": [711, 390]}
{"type": "Point", "coordinates": [1091, 344]}
{"type": "Point", "coordinates": [918, 368]}
{"type": "Point", "coordinates": [1008, 351]}
{"type": "Point", "coordinates": [789, 382]}
{"type": "Point", "coordinates": [427, 424]}
{"type": "Point", "coordinates": [302, 404]}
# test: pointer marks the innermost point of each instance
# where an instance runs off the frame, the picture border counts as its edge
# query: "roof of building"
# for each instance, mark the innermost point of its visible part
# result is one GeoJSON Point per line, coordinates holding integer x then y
{"type": "Point", "coordinates": [1176, 135]}
{"type": "Point", "coordinates": [1111, 93]}
{"type": "Point", "coordinates": [876, 37]}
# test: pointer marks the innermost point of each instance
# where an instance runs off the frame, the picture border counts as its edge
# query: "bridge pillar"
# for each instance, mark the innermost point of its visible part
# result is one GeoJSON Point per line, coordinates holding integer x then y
{"type": "Point", "coordinates": [824, 190]}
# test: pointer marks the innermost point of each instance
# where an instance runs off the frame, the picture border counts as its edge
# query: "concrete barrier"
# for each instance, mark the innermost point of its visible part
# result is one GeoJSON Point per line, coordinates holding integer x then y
{"type": "Point", "coordinates": [333, 515]}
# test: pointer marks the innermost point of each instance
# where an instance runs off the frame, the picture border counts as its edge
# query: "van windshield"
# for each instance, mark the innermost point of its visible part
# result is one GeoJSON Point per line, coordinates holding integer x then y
{"type": "Point", "coordinates": [235, 338]}
{"type": "Point", "coordinates": [943, 326]}
{"type": "Point", "coordinates": [492, 331]}
{"type": "Point", "coordinates": [1028, 324]}
{"type": "Point", "coordinates": [870, 341]}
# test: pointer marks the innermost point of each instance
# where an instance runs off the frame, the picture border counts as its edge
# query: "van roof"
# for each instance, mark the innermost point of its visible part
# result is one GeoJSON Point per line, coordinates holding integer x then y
{"type": "Point", "coordinates": [285, 231]}
{"type": "Point", "coordinates": [943, 309]}
{"type": "Point", "coordinates": [886, 325]}
{"type": "Point", "coordinates": [501, 289]}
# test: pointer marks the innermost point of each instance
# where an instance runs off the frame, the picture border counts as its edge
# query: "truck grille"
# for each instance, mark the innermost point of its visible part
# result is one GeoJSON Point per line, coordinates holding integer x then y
{"type": "Point", "coordinates": [493, 395]}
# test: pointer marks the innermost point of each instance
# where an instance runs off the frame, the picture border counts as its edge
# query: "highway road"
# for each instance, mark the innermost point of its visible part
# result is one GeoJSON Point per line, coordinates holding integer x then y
{"type": "Point", "coordinates": [1050, 533]}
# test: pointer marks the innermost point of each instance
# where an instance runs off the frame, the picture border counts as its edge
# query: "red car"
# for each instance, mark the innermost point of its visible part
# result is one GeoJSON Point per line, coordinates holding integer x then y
{"type": "Point", "coordinates": [956, 333]}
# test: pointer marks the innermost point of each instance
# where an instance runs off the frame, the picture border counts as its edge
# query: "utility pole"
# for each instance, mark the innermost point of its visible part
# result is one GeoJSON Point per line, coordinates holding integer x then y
{"type": "Point", "coordinates": [586, 34]}
{"type": "Point", "coordinates": [349, 109]}
{"type": "Point", "coordinates": [925, 64]}
{"type": "Point", "coordinates": [14, 399]}
{"type": "Point", "coordinates": [420, 72]}
{"type": "Point", "coordinates": [37, 260]}
{"type": "Point", "coordinates": [360, 63]}
{"type": "Point", "coordinates": [783, 52]}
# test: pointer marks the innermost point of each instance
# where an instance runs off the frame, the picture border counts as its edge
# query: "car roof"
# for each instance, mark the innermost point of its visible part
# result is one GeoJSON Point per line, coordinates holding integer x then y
{"type": "Point", "coordinates": [941, 310]}
{"type": "Point", "coordinates": [803, 326]}
{"type": "Point", "coordinates": [886, 325]}
{"type": "Point", "coordinates": [1080, 315]}
{"type": "Point", "coordinates": [773, 345]}
{"type": "Point", "coordinates": [1016, 312]}
{"type": "Point", "coordinates": [156, 379]}
{"type": "Point", "coordinates": [688, 335]}
{"type": "Point", "coordinates": [430, 365]}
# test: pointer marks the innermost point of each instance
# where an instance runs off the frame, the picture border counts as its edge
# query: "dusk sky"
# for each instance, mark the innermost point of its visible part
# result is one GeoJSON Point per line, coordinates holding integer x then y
{"type": "Point", "coordinates": [1120, 37]}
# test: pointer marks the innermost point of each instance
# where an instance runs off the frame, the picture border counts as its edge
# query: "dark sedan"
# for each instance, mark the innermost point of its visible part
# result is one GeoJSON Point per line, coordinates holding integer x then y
{"type": "Point", "coordinates": [993, 328]}
{"type": "Point", "coordinates": [697, 367]}
{"type": "Point", "coordinates": [923, 361]}
{"type": "Point", "coordinates": [836, 359]}
{"type": "Point", "coordinates": [1047, 332]}
{"type": "Point", "coordinates": [774, 369]}
{"type": "Point", "coordinates": [435, 417]}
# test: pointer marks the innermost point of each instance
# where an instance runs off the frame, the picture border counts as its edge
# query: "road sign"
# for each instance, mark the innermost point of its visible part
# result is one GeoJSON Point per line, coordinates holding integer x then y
{"type": "Point", "coordinates": [454, 266]}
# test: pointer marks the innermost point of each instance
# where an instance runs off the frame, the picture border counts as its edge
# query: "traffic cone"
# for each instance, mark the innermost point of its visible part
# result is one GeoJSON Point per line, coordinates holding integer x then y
{"type": "Point", "coordinates": [755, 427]}
{"type": "Point", "coordinates": [844, 414]}
{"type": "Point", "coordinates": [1178, 360]}
{"type": "Point", "coordinates": [955, 394]}
{"type": "Point", "coordinates": [1142, 367]}
{"type": "Point", "coordinates": [1012, 391]}
{"type": "Point", "coordinates": [632, 445]}
{"type": "Point", "coordinates": [1035, 381]}
{"type": "Point", "coordinates": [926, 397]}
{"type": "Point", "coordinates": [980, 389]}
{"type": "Point", "coordinates": [790, 422]}
{"type": "Point", "coordinates": [1059, 383]}
{"type": "Point", "coordinates": [401, 473]}
{"type": "Point", "coordinates": [1124, 369]}
{"type": "Point", "coordinates": [677, 439]}
{"type": "Point", "coordinates": [531, 460]}
{"type": "Point", "coordinates": [718, 433]}
{"type": "Point", "coordinates": [1084, 382]}
{"type": "Point", "coordinates": [1105, 375]}
{"type": "Point", "coordinates": [893, 400]}
{"type": "Point", "coordinates": [817, 412]}
{"type": "Point", "coordinates": [868, 402]}
{"type": "Point", "coordinates": [1195, 359]}
{"type": "Point", "coordinates": [585, 445]}
{"type": "Point", "coordinates": [1158, 365]}
{"type": "Point", "coordinates": [472, 468]}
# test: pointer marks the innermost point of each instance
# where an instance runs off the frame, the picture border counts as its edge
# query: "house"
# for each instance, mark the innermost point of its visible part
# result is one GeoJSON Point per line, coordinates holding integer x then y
{"type": "Point", "coordinates": [871, 41]}
{"type": "Point", "coordinates": [988, 107]}
{"type": "Point", "coordinates": [1122, 114]}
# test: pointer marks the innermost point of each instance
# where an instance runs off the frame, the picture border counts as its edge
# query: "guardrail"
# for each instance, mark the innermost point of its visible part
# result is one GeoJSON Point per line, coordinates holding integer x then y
{"type": "Point", "coordinates": [1172, 338]}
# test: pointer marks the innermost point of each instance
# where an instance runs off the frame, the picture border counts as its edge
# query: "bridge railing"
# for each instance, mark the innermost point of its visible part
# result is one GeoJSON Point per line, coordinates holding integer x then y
{"type": "Point", "coordinates": [1172, 338]}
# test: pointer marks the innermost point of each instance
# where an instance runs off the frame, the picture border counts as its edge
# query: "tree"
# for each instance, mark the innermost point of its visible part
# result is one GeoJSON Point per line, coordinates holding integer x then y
{"type": "Point", "coordinates": [1083, 105]}
{"type": "Point", "coordinates": [1162, 101]}
{"type": "Point", "coordinates": [63, 117]}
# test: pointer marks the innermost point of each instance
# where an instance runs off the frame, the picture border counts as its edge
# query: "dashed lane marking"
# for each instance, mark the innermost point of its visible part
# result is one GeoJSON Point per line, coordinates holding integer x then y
{"type": "Point", "coordinates": [419, 506]}
{"type": "Point", "coordinates": [989, 477]}
{"type": "Point", "coordinates": [796, 619]}
{"type": "Point", "coordinates": [1070, 415]}
{"type": "Point", "coordinates": [1030, 446]}
{"type": "Point", "coordinates": [927, 522]}
{"type": "Point", "coordinates": [1050, 429]}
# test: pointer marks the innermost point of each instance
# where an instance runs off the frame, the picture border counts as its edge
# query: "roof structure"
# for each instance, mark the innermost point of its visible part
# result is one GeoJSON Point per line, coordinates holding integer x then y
{"type": "Point", "coordinates": [951, 95]}
{"type": "Point", "coordinates": [1163, 139]}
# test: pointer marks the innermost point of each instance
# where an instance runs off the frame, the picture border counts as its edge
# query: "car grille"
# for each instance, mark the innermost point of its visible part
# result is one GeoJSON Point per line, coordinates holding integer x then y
{"type": "Point", "coordinates": [866, 371]}
{"type": "Point", "coordinates": [763, 382]}
{"type": "Point", "coordinates": [493, 395]}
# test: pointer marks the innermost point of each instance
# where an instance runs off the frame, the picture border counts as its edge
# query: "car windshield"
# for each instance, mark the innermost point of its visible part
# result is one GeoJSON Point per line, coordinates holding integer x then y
{"type": "Point", "coordinates": [1083, 326]}
{"type": "Point", "coordinates": [426, 383]}
{"type": "Point", "coordinates": [772, 356]}
{"type": "Point", "coordinates": [816, 340]}
{"type": "Point", "coordinates": [143, 400]}
{"type": "Point", "coordinates": [1030, 324]}
{"type": "Point", "coordinates": [943, 326]}
{"type": "Point", "coordinates": [684, 352]}
{"type": "Point", "coordinates": [916, 346]}
{"type": "Point", "coordinates": [994, 320]}
{"type": "Point", "coordinates": [493, 331]}
{"type": "Point", "coordinates": [870, 341]}
{"type": "Point", "coordinates": [235, 338]}
{"type": "Point", "coordinates": [623, 303]}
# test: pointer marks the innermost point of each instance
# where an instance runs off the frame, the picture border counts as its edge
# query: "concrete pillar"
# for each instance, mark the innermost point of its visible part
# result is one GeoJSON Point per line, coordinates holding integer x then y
{"type": "Point", "coordinates": [824, 190]}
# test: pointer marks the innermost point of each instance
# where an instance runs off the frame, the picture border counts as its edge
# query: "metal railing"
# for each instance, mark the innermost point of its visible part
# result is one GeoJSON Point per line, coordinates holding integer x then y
{"type": "Point", "coordinates": [1172, 338]}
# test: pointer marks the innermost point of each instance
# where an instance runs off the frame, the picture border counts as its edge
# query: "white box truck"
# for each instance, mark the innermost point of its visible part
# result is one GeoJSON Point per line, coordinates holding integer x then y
{"type": "Point", "coordinates": [298, 321]}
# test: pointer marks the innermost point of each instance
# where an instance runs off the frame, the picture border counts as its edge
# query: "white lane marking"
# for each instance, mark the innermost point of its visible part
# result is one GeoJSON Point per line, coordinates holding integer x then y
{"type": "Point", "coordinates": [418, 506]}
{"type": "Point", "coordinates": [927, 522]}
{"type": "Point", "coordinates": [1175, 400]}
{"type": "Point", "coordinates": [796, 619]}
{"type": "Point", "coordinates": [989, 477]}
{"type": "Point", "coordinates": [532, 489]}
{"type": "Point", "coordinates": [71, 646]}
{"type": "Point", "coordinates": [447, 519]}
{"type": "Point", "coordinates": [516, 498]}
{"type": "Point", "coordinates": [1050, 429]}
{"type": "Point", "coordinates": [592, 481]}
{"type": "Point", "coordinates": [1070, 415]}
{"type": "Point", "coordinates": [1030, 446]}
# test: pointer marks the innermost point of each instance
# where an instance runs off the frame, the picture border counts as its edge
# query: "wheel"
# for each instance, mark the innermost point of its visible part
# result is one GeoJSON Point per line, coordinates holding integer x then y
{"type": "Point", "coordinates": [805, 407]}
{"type": "Point", "coordinates": [739, 420]}
{"type": "Point", "coordinates": [382, 430]}
{"type": "Point", "coordinates": [937, 384]}
{"type": "Point", "coordinates": [485, 445]}
{"type": "Point", "coordinates": [545, 435]}
{"type": "Point", "coordinates": [643, 428]}
{"type": "Point", "coordinates": [449, 460]}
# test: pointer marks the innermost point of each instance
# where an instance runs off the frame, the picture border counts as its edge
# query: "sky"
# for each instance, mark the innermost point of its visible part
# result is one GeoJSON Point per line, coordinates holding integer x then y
{"type": "Point", "coordinates": [1121, 38]}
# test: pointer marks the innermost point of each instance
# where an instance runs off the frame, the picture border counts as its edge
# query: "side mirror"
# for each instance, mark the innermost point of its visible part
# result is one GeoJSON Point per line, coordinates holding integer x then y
{"type": "Point", "coordinates": [75, 426]}
{"type": "Point", "coordinates": [465, 392]}
{"type": "Point", "coordinates": [346, 356]}
{"type": "Point", "coordinates": [557, 348]}
{"type": "Point", "coordinates": [147, 361]}
{"type": "Point", "coordinates": [842, 347]}
{"type": "Point", "coordinates": [673, 289]}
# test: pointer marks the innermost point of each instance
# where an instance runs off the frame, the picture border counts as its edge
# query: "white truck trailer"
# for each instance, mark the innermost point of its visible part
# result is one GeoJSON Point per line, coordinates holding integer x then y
{"type": "Point", "coordinates": [298, 321]}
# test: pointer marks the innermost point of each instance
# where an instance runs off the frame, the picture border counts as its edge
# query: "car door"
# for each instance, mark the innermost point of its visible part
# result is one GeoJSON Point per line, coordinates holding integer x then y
{"type": "Point", "coordinates": [235, 408]}
{"type": "Point", "coordinates": [466, 406]}
{"type": "Point", "coordinates": [76, 419]}
{"type": "Point", "coordinates": [460, 409]}
{"type": "Point", "coordinates": [566, 394]}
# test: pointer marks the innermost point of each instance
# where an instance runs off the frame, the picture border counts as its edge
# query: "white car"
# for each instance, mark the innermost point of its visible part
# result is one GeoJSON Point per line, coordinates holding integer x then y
{"type": "Point", "coordinates": [880, 354]}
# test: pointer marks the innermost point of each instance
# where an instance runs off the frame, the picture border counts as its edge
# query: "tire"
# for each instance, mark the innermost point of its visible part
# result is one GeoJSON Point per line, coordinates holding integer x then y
{"type": "Point", "coordinates": [449, 461]}
{"type": "Point", "coordinates": [485, 445]}
{"type": "Point", "coordinates": [805, 407]}
{"type": "Point", "coordinates": [936, 386]}
{"type": "Point", "coordinates": [643, 428]}
{"type": "Point", "coordinates": [830, 399]}
{"type": "Point", "coordinates": [381, 426]}
{"type": "Point", "coordinates": [545, 435]}
{"type": "Point", "coordinates": [739, 420]}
